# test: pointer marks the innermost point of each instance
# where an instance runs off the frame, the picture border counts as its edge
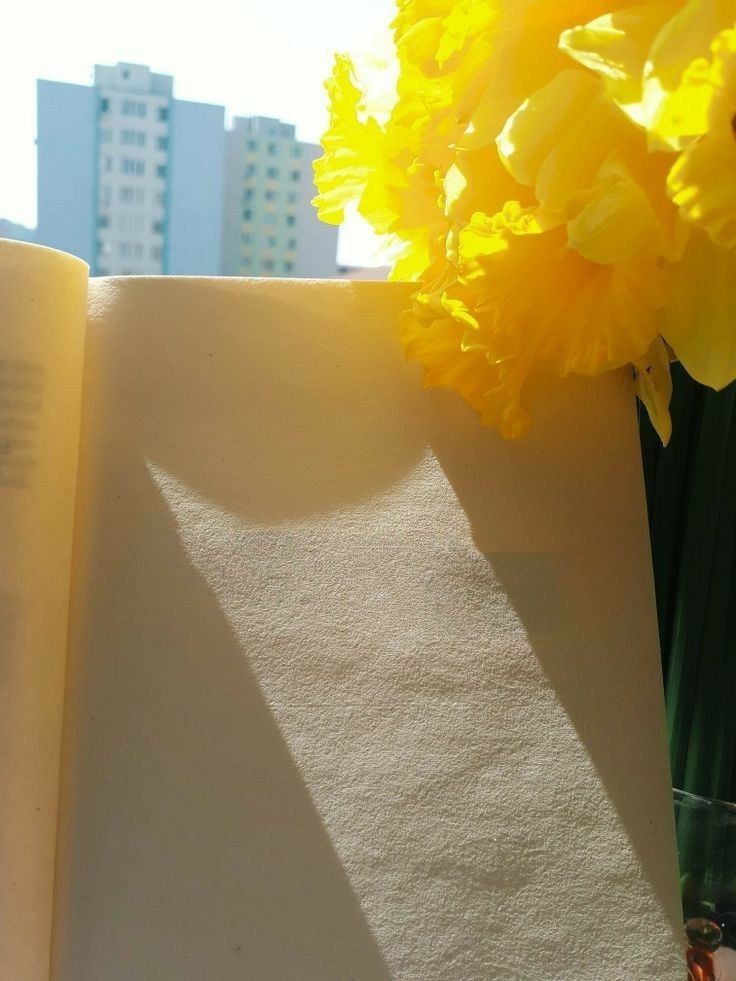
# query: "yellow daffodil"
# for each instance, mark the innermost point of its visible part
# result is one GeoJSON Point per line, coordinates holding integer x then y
{"type": "Point", "coordinates": [559, 180]}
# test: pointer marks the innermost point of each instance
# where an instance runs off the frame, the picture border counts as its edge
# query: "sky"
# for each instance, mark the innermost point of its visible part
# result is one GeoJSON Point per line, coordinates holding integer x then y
{"type": "Point", "coordinates": [255, 57]}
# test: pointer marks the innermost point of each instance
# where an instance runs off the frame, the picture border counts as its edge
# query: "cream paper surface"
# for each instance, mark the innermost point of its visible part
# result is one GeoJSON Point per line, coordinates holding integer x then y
{"type": "Point", "coordinates": [360, 691]}
{"type": "Point", "coordinates": [43, 297]}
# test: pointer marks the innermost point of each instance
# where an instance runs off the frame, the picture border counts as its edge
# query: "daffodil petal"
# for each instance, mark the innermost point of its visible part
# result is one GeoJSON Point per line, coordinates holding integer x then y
{"type": "Point", "coordinates": [531, 132]}
{"type": "Point", "coordinates": [600, 128]}
{"type": "Point", "coordinates": [677, 90]}
{"type": "Point", "coordinates": [654, 387]}
{"type": "Point", "coordinates": [699, 322]}
{"type": "Point", "coordinates": [702, 184]}
{"type": "Point", "coordinates": [617, 46]}
{"type": "Point", "coordinates": [617, 222]}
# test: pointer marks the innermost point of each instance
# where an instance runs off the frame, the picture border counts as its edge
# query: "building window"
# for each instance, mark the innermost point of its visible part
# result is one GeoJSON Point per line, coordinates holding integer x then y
{"type": "Point", "coordinates": [247, 214]}
{"type": "Point", "coordinates": [103, 248]}
{"type": "Point", "coordinates": [158, 228]}
{"type": "Point", "coordinates": [250, 171]}
{"type": "Point", "coordinates": [290, 221]}
{"type": "Point", "coordinates": [106, 136]}
{"type": "Point", "coordinates": [163, 113]}
{"type": "Point", "coordinates": [132, 137]}
{"type": "Point", "coordinates": [270, 195]}
{"type": "Point", "coordinates": [161, 170]}
{"type": "Point", "coordinates": [247, 195]}
{"type": "Point", "coordinates": [127, 249]}
{"type": "Point", "coordinates": [129, 166]}
{"type": "Point", "coordinates": [108, 164]}
{"type": "Point", "coordinates": [272, 148]}
{"type": "Point", "coordinates": [291, 245]}
{"type": "Point", "coordinates": [105, 196]}
{"type": "Point", "coordinates": [251, 145]}
{"type": "Point", "coordinates": [132, 195]}
{"type": "Point", "coordinates": [291, 198]}
{"type": "Point", "coordinates": [104, 105]}
{"type": "Point", "coordinates": [156, 252]}
{"type": "Point", "coordinates": [161, 199]}
{"type": "Point", "coordinates": [131, 107]}
{"type": "Point", "coordinates": [162, 143]}
{"type": "Point", "coordinates": [245, 238]}
{"type": "Point", "coordinates": [271, 242]}
{"type": "Point", "coordinates": [268, 265]}
{"type": "Point", "coordinates": [103, 221]}
{"type": "Point", "coordinates": [297, 151]}
{"type": "Point", "coordinates": [272, 173]}
{"type": "Point", "coordinates": [288, 267]}
{"type": "Point", "coordinates": [296, 176]}
{"type": "Point", "coordinates": [130, 223]}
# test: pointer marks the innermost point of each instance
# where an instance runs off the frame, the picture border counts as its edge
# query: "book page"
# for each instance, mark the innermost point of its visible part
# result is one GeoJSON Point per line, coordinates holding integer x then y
{"type": "Point", "coordinates": [359, 690]}
{"type": "Point", "coordinates": [43, 296]}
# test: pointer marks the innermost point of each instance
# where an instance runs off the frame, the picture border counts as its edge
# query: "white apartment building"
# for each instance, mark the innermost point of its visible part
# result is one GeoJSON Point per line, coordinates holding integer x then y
{"type": "Point", "coordinates": [133, 165]}
{"type": "Point", "coordinates": [129, 178]}
{"type": "Point", "coordinates": [270, 227]}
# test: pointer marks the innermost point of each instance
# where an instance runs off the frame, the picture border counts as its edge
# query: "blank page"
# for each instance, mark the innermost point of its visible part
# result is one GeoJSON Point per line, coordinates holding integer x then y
{"type": "Point", "coordinates": [358, 690]}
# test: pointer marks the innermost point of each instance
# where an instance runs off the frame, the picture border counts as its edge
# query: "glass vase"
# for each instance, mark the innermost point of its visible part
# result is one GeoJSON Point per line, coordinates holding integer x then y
{"type": "Point", "coordinates": [706, 843]}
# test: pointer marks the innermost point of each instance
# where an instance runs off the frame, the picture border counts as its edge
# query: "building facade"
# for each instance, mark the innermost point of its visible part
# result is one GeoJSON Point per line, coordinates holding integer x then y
{"type": "Point", "coordinates": [270, 227]}
{"type": "Point", "coordinates": [129, 178]}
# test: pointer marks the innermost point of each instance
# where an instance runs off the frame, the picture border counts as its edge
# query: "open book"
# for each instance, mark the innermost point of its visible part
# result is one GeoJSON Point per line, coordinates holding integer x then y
{"type": "Point", "coordinates": [304, 675]}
